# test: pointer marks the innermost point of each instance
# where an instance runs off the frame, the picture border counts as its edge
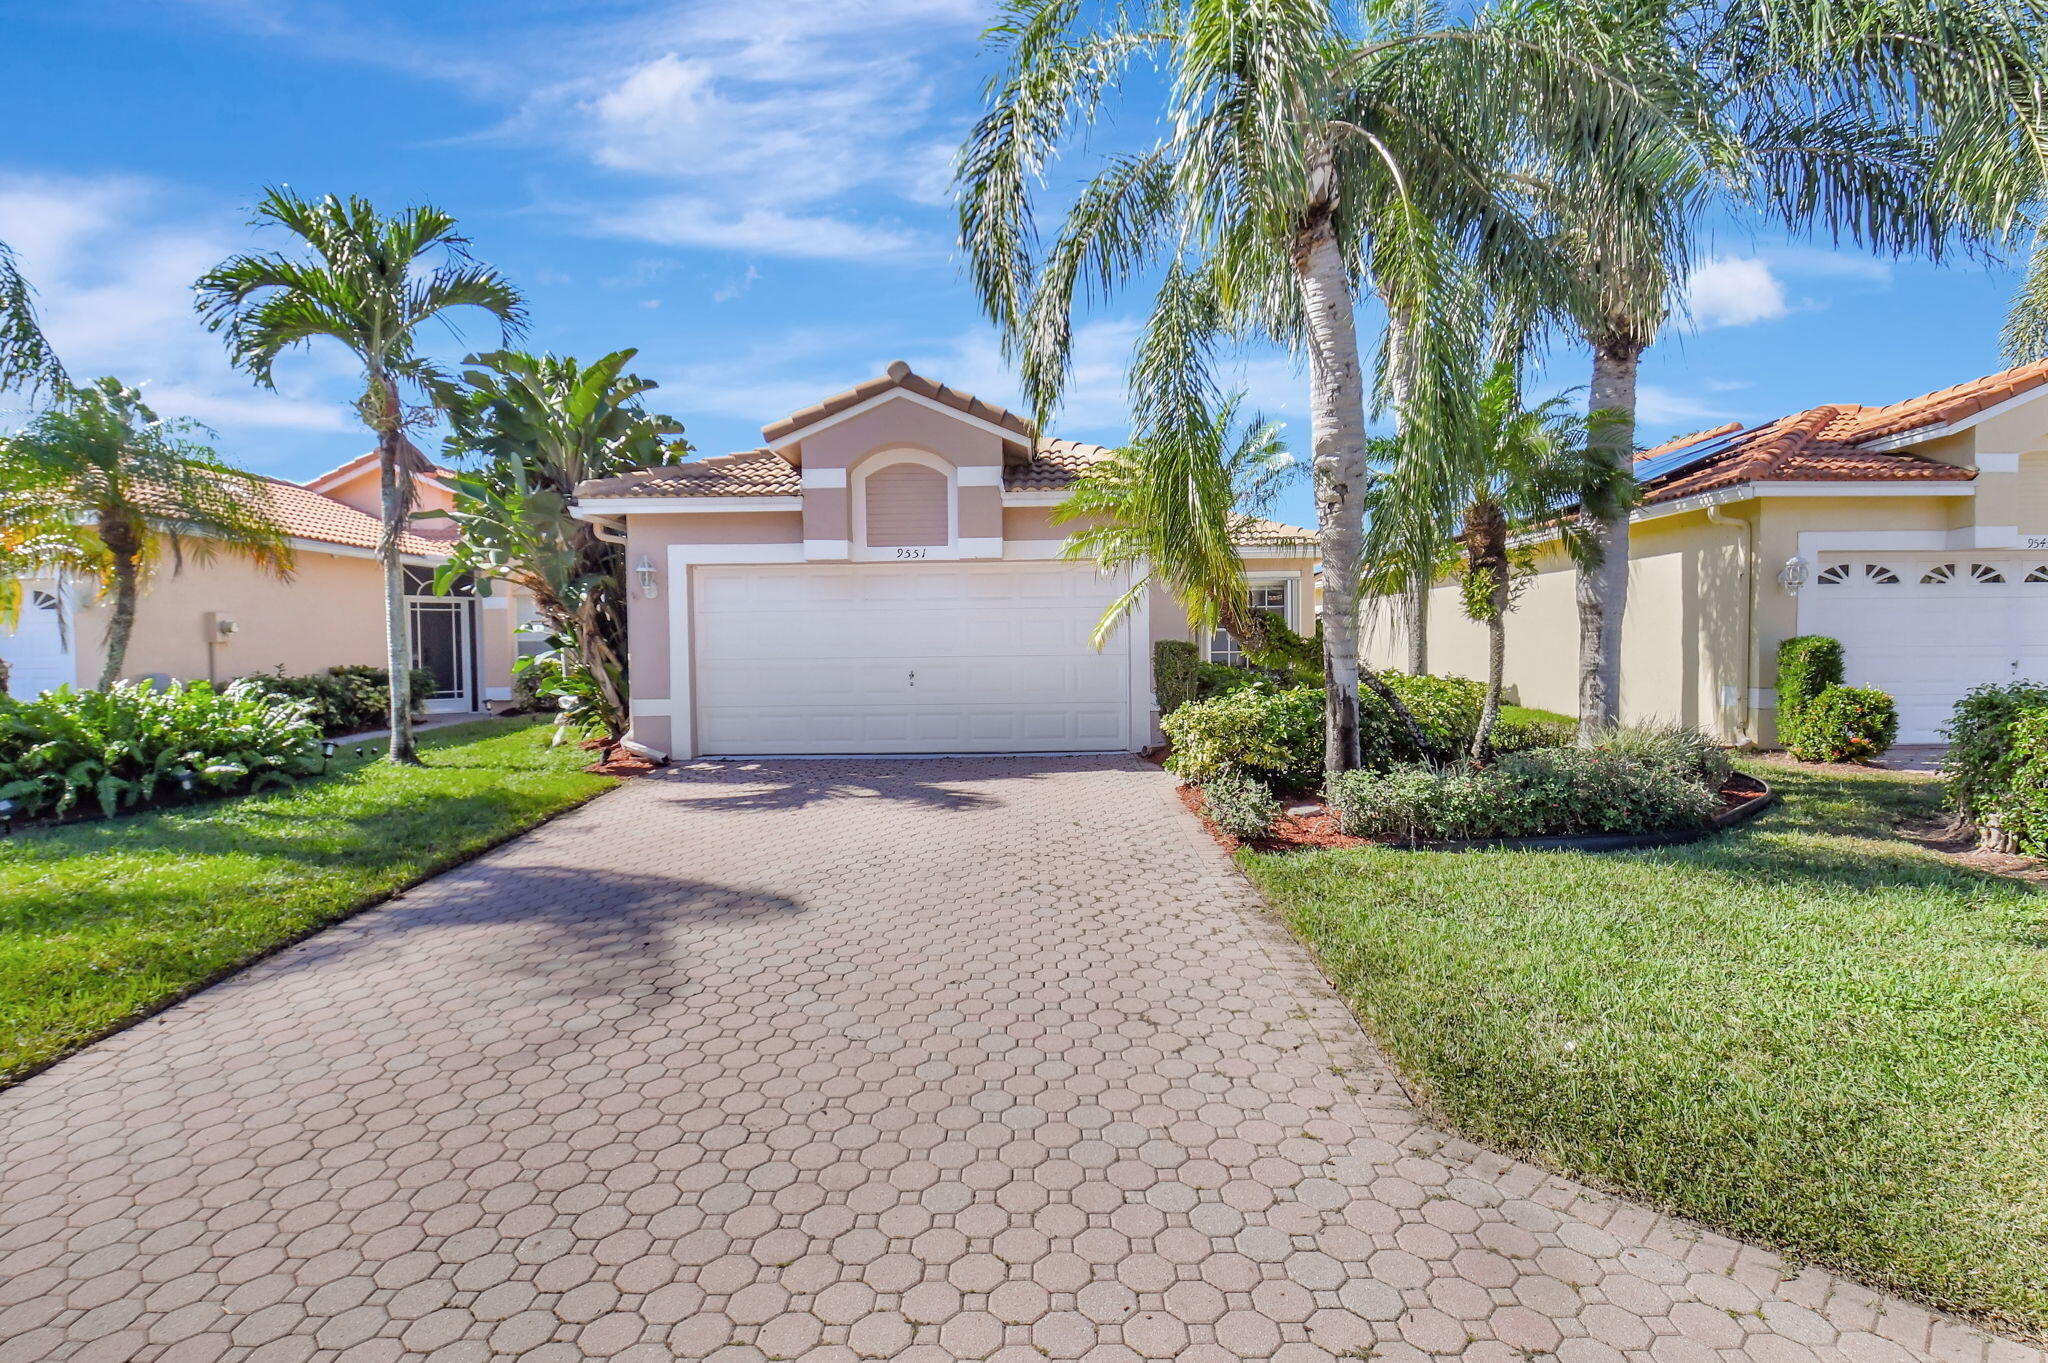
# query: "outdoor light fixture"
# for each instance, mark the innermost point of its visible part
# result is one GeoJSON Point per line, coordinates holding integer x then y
{"type": "Point", "coordinates": [328, 748]}
{"type": "Point", "coordinates": [7, 808]}
{"type": "Point", "coordinates": [183, 776]}
{"type": "Point", "coordinates": [645, 572]}
{"type": "Point", "coordinates": [1793, 575]}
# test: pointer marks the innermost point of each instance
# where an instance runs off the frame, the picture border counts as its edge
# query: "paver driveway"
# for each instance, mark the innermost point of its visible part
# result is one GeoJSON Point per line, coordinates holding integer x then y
{"type": "Point", "coordinates": [919, 1060]}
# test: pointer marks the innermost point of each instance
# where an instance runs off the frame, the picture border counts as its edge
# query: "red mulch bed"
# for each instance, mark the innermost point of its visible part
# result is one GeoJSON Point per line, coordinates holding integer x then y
{"type": "Point", "coordinates": [1318, 827]}
{"type": "Point", "coordinates": [618, 761]}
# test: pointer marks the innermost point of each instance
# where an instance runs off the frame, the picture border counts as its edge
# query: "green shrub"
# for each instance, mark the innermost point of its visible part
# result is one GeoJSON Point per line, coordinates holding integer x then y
{"type": "Point", "coordinates": [346, 699]}
{"type": "Point", "coordinates": [1446, 709]}
{"type": "Point", "coordinates": [1808, 664]}
{"type": "Point", "coordinates": [1553, 791]}
{"type": "Point", "coordinates": [129, 745]}
{"type": "Point", "coordinates": [1173, 673]}
{"type": "Point", "coordinates": [1984, 752]}
{"type": "Point", "coordinates": [532, 679]}
{"type": "Point", "coordinates": [1220, 679]}
{"type": "Point", "coordinates": [1258, 729]}
{"type": "Point", "coordinates": [2015, 814]}
{"type": "Point", "coordinates": [1240, 806]}
{"type": "Point", "coordinates": [1845, 724]}
{"type": "Point", "coordinates": [1521, 733]}
{"type": "Point", "coordinates": [1676, 747]}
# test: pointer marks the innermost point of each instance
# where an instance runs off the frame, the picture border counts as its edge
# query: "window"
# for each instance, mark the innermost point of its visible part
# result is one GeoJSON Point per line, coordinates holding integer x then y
{"type": "Point", "coordinates": [43, 601]}
{"type": "Point", "coordinates": [420, 582]}
{"type": "Point", "coordinates": [530, 632]}
{"type": "Point", "coordinates": [1985, 573]}
{"type": "Point", "coordinates": [2040, 574]}
{"type": "Point", "coordinates": [1880, 574]}
{"type": "Point", "coordinates": [1938, 574]}
{"type": "Point", "coordinates": [1831, 575]}
{"type": "Point", "coordinates": [1263, 596]}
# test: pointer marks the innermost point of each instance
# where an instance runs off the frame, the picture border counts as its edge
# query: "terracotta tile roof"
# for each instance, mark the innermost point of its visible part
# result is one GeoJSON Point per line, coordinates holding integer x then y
{"type": "Point", "coordinates": [751, 473]}
{"type": "Point", "coordinates": [1829, 444]}
{"type": "Point", "coordinates": [1054, 465]}
{"type": "Point", "coordinates": [1258, 533]}
{"type": "Point", "coordinates": [343, 470]}
{"type": "Point", "coordinates": [899, 376]}
{"type": "Point", "coordinates": [305, 514]}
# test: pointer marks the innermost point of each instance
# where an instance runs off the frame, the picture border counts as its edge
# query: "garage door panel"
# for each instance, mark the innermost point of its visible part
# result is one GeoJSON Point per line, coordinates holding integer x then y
{"type": "Point", "coordinates": [817, 659]}
{"type": "Point", "coordinates": [1925, 641]}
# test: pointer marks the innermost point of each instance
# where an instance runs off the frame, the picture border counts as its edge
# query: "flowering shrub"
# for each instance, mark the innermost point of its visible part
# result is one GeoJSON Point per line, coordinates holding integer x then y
{"type": "Point", "coordinates": [127, 746]}
{"type": "Point", "coordinates": [1844, 724]}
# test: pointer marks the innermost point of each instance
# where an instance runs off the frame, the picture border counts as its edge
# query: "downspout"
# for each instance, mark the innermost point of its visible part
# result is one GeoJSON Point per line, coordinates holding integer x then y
{"type": "Point", "coordinates": [1717, 516]}
{"type": "Point", "coordinates": [610, 529]}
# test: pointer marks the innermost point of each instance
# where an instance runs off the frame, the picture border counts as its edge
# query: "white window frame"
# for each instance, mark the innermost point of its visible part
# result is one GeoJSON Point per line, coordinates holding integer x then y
{"type": "Point", "coordinates": [1219, 641]}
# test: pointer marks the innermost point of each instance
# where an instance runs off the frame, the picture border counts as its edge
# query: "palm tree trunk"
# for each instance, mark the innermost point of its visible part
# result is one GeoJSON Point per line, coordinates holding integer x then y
{"type": "Point", "coordinates": [1337, 444]}
{"type": "Point", "coordinates": [1486, 548]}
{"type": "Point", "coordinates": [1602, 590]}
{"type": "Point", "coordinates": [1415, 597]}
{"type": "Point", "coordinates": [397, 653]}
{"type": "Point", "coordinates": [124, 547]}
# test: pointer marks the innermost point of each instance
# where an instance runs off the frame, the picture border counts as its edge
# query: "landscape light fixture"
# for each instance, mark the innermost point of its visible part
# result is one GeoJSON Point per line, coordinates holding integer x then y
{"type": "Point", "coordinates": [183, 776]}
{"type": "Point", "coordinates": [328, 748]}
{"type": "Point", "coordinates": [7, 810]}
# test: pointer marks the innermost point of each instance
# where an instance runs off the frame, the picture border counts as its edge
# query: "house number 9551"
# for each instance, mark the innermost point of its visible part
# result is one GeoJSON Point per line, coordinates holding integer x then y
{"type": "Point", "coordinates": [912, 553]}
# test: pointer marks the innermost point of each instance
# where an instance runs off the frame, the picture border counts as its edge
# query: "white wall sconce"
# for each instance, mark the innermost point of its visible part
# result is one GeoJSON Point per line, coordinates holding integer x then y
{"type": "Point", "coordinates": [644, 570]}
{"type": "Point", "coordinates": [1793, 575]}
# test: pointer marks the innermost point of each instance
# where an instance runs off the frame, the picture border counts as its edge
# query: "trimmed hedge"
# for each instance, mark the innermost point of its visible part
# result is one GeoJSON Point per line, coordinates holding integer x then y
{"type": "Point", "coordinates": [1275, 733]}
{"type": "Point", "coordinates": [1173, 673]}
{"type": "Point", "coordinates": [1551, 792]}
{"type": "Point", "coordinates": [346, 699]}
{"type": "Point", "coordinates": [1995, 772]}
{"type": "Point", "coordinates": [1845, 724]}
{"type": "Point", "coordinates": [127, 746]}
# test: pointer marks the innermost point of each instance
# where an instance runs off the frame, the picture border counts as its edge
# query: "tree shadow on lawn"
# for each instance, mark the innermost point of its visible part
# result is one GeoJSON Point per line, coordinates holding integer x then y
{"type": "Point", "coordinates": [930, 782]}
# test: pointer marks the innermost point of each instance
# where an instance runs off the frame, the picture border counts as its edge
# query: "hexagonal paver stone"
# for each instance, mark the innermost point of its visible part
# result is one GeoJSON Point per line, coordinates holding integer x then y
{"type": "Point", "coordinates": [989, 1058]}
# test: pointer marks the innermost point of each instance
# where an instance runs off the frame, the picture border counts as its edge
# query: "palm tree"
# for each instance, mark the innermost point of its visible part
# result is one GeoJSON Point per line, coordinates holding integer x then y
{"type": "Point", "coordinates": [1164, 509]}
{"type": "Point", "coordinates": [1304, 148]}
{"type": "Point", "coordinates": [542, 424]}
{"type": "Point", "coordinates": [372, 284]}
{"type": "Point", "coordinates": [26, 359]}
{"type": "Point", "coordinates": [1522, 467]}
{"type": "Point", "coordinates": [1902, 125]}
{"type": "Point", "coordinates": [137, 485]}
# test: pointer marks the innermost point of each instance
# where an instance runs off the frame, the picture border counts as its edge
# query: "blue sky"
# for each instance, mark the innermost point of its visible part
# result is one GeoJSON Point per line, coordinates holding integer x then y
{"type": "Point", "coordinates": [753, 194]}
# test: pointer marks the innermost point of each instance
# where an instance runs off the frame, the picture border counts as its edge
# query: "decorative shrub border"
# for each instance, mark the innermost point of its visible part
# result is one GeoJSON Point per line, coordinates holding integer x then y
{"type": "Point", "coordinates": [1609, 842]}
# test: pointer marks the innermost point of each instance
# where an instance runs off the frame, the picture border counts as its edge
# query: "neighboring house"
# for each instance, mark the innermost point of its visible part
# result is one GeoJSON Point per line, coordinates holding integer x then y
{"type": "Point", "coordinates": [883, 576]}
{"type": "Point", "coordinates": [330, 612]}
{"type": "Point", "coordinates": [1915, 533]}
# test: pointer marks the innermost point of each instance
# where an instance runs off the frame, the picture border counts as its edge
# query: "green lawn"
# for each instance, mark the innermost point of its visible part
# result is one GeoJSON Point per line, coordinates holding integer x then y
{"type": "Point", "coordinates": [101, 922]}
{"type": "Point", "coordinates": [1808, 1032]}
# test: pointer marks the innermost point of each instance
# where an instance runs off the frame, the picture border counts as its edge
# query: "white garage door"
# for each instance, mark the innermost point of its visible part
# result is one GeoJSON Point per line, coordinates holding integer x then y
{"type": "Point", "coordinates": [1926, 627]}
{"type": "Point", "coordinates": [37, 650]}
{"type": "Point", "coordinates": [934, 657]}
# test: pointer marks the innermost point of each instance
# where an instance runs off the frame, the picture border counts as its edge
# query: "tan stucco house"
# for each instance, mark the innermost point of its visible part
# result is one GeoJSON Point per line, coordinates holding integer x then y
{"type": "Point", "coordinates": [883, 576]}
{"type": "Point", "coordinates": [1916, 533]}
{"type": "Point", "coordinates": [224, 619]}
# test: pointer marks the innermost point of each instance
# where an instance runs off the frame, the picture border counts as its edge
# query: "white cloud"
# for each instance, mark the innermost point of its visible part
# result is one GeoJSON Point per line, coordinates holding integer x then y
{"type": "Point", "coordinates": [1729, 292]}
{"type": "Point", "coordinates": [1659, 406]}
{"type": "Point", "coordinates": [113, 260]}
{"type": "Point", "coordinates": [688, 220]}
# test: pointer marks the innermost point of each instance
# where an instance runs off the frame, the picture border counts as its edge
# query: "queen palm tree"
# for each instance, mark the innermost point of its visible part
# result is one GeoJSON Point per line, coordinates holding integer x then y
{"type": "Point", "coordinates": [1306, 146]}
{"type": "Point", "coordinates": [120, 489]}
{"type": "Point", "coordinates": [371, 283]}
{"type": "Point", "coordinates": [541, 424]}
{"type": "Point", "coordinates": [26, 360]}
{"type": "Point", "coordinates": [1900, 125]}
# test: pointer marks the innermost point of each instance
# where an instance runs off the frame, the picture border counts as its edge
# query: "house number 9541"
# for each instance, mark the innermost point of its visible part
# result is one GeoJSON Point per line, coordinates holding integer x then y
{"type": "Point", "coordinates": [912, 553]}
{"type": "Point", "coordinates": [2037, 541]}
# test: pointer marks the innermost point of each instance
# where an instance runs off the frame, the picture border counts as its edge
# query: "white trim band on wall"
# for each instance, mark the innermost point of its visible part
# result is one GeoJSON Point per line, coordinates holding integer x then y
{"type": "Point", "coordinates": [824, 478]}
{"type": "Point", "coordinates": [826, 549]}
{"type": "Point", "coordinates": [1998, 463]}
{"type": "Point", "coordinates": [981, 475]}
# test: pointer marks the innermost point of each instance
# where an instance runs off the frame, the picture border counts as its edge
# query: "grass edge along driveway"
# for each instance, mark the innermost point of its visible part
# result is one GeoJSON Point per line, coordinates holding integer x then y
{"type": "Point", "coordinates": [1809, 1032]}
{"type": "Point", "coordinates": [102, 923]}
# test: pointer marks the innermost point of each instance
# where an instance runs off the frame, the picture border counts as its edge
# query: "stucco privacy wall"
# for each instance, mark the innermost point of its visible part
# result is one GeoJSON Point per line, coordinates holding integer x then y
{"type": "Point", "coordinates": [1682, 636]}
{"type": "Point", "coordinates": [330, 613]}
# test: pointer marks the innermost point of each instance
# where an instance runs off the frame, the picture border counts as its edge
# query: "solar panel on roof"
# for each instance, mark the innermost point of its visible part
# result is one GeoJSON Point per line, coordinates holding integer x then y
{"type": "Point", "coordinates": [1678, 460]}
